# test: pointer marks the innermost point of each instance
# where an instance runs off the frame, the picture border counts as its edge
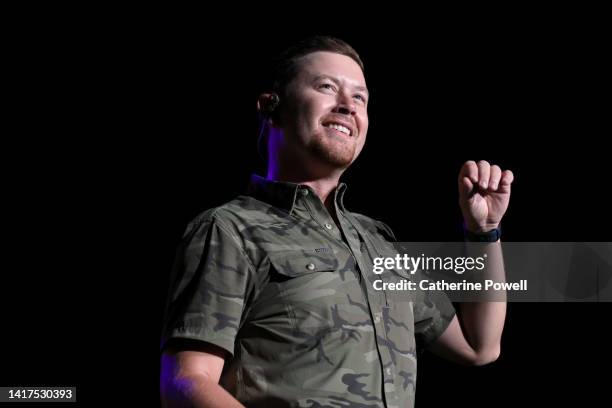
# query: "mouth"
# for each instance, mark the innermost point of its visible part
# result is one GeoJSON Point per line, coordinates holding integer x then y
{"type": "Point", "coordinates": [340, 127]}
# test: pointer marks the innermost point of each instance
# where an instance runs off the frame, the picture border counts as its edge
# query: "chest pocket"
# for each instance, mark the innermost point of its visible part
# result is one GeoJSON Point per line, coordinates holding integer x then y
{"type": "Point", "coordinates": [315, 294]}
{"type": "Point", "coordinates": [304, 278]}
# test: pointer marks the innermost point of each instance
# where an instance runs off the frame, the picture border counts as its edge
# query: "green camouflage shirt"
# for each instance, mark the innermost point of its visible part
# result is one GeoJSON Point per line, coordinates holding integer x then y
{"type": "Point", "coordinates": [273, 280]}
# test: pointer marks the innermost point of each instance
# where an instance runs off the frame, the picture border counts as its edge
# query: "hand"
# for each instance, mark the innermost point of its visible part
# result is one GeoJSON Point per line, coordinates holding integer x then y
{"type": "Point", "coordinates": [484, 194]}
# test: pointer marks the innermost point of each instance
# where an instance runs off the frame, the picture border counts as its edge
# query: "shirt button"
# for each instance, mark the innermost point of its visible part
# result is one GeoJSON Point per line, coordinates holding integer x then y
{"type": "Point", "coordinates": [310, 267]}
{"type": "Point", "coordinates": [388, 371]}
{"type": "Point", "coordinates": [328, 226]}
{"type": "Point", "coordinates": [304, 192]}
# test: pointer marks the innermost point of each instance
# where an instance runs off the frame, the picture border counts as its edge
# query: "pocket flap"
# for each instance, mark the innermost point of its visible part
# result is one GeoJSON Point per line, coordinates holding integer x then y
{"type": "Point", "coordinates": [295, 263]}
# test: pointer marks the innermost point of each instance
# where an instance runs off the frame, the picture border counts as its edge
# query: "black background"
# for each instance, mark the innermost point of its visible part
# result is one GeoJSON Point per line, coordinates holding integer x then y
{"type": "Point", "coordinates": [120, 130]}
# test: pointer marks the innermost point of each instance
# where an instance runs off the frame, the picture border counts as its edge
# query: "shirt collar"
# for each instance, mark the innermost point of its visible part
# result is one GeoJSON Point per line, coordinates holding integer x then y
{"type": "Point", "coordinates": [283, 194]}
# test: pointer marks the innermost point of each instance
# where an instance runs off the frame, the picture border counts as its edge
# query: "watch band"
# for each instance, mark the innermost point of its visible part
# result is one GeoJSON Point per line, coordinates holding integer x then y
{"type": "Point", "coordinates": [490, 236]}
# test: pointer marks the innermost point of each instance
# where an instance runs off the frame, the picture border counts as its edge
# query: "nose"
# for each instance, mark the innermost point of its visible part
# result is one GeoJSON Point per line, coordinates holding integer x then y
{"type": "Point", "coordinates": [345, 105]}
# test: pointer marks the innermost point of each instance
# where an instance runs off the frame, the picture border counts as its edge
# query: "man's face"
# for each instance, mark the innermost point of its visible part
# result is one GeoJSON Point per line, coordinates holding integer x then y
{"type": "Point", "coordinates": [324, 117]}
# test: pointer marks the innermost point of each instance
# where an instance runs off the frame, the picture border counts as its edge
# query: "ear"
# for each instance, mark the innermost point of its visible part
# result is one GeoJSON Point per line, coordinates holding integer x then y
{"type": "Point", "coordinates": [266, 106]}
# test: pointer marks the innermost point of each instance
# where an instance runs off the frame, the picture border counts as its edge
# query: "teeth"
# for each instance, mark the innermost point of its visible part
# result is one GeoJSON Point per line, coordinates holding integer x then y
{"type": "Point", "coordinates": [341, 128]}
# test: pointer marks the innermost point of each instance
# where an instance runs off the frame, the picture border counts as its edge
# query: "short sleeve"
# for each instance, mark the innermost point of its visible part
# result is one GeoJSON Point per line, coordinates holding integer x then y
{"type": "Point", "coordinates": [211, 278]}
{"type": "Point", "coordinates": [432, 315]}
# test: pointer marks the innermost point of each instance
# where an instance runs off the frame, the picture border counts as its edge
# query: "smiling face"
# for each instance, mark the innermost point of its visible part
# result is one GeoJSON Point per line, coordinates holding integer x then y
{"type": "Point", "coordinates": [323, 113]}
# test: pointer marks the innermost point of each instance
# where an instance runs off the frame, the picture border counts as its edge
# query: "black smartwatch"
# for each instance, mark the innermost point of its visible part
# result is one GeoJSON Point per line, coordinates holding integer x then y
{"type": "Point", "coordinates": [490, 236]}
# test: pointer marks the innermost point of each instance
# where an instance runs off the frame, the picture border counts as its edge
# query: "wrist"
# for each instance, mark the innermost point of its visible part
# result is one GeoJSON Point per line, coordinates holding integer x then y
{"type": "Point", "coordinates": [482, 234]}
{"type": "Point", "coordinates": [479, 228]}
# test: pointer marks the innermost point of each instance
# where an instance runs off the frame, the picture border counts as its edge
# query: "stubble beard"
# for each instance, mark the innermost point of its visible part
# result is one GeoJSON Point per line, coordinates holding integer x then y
{"type": "Point", "coordinates": [332, 152]}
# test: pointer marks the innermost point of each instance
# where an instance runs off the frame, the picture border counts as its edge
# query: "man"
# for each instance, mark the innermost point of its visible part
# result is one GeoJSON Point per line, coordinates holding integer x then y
{"type": "Point", "coordinates": [271, 302]}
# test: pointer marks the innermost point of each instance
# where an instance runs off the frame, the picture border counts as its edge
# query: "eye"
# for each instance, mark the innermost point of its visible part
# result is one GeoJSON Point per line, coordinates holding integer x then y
{"type": "Point", "coordinates": [327, 86]}
{"type": "Point", "coordinates": [360, 97]}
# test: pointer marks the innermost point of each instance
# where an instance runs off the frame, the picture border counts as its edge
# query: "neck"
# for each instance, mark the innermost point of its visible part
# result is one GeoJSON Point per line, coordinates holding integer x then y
{"type": "Point", "coordinates": [323, 185]}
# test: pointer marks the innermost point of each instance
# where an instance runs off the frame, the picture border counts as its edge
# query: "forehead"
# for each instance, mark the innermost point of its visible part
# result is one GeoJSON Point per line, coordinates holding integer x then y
{"type": "Point", "coordinates": [331, 64]}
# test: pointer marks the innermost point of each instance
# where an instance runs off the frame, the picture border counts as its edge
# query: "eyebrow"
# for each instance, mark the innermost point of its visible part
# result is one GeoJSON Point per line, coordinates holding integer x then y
{"type": "Point", "coordinates": [337, 81]}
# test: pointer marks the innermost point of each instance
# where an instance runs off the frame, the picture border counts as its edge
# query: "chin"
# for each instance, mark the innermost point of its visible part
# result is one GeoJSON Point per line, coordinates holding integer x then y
{"type": "Point", "coordinates": [336, 159]}
{"type": "Point", "coordinates": [332, 154]}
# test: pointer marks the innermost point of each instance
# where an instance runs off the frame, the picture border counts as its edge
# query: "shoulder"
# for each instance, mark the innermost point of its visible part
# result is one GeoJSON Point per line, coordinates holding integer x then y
{"type": "Point", "coordinates": [374, 226]}
{"type": "Point", "coordinates": [231, 217]}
